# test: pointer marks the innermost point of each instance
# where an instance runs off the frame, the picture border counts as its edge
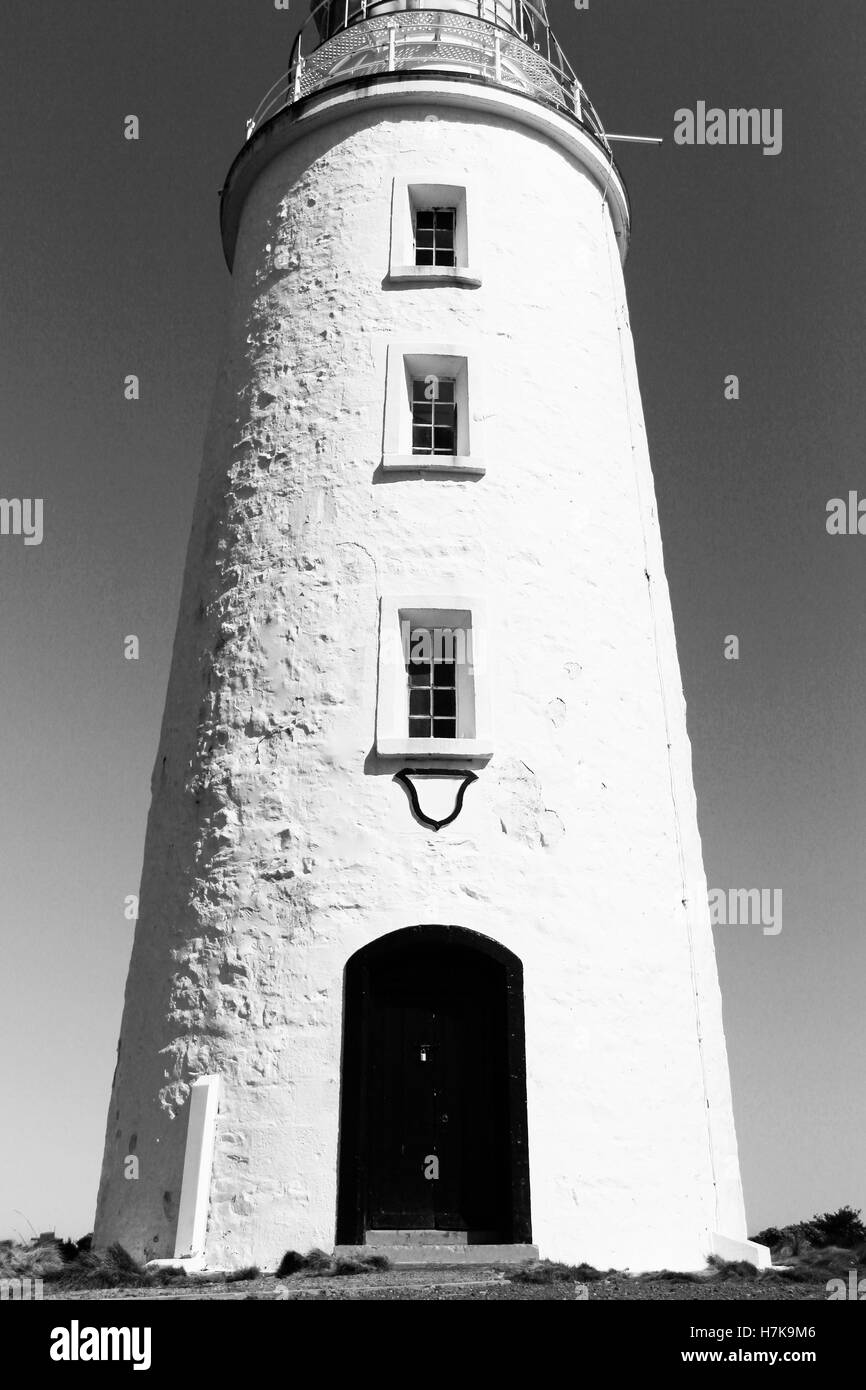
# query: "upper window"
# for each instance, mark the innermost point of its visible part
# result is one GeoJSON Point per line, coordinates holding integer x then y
{"type": "Point", "coordinates": [434, 236]}
{"type": "Point", "coordinates": [430, 234]}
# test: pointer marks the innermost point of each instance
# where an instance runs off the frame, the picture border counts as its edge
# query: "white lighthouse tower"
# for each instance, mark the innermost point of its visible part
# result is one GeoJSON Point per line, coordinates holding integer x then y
{"type": "Point", "coordinates": [424, 959]}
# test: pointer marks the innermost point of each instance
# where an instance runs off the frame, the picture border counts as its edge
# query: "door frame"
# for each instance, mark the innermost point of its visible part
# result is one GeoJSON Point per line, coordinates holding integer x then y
{"type": "Point", "coordinates": [352, 1162]}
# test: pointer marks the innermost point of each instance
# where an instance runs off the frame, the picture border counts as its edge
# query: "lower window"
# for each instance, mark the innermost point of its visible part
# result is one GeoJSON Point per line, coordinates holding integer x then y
{"type": "Point", "coordinates": [432, 688]}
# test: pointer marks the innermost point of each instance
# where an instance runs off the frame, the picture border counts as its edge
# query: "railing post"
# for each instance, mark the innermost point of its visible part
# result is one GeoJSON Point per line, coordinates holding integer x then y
{"type": "Point", "coordinates": [577, 111]}
{"type": "Point", "coordinates": [296, 84]}
{"type": "Point", "coordinates": [497, 56]}
{"type": "Point", "coordinates": [392, 44]}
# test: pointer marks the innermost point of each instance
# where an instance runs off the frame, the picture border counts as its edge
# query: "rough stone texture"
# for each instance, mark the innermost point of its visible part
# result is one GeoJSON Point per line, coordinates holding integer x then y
{"type": "Point", "coordinates": [278, 844]}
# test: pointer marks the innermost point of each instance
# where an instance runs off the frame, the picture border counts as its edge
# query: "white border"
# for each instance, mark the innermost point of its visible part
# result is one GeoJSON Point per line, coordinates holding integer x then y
{"type": "Point", "coordinates": [392, 739]}
{"type": "Point", "coordinates": [401, 265]}
{"type": "Point", "coordinates": [397, 453]}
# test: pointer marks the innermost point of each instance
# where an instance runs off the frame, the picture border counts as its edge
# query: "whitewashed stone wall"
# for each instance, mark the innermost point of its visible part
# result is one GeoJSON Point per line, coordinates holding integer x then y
{"type": "Point", "coordinates": [278, 844]}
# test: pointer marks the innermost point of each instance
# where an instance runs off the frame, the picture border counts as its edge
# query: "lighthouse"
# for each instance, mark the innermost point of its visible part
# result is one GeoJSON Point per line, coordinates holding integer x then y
{"type": "Point", "coordinates": [423, 961]}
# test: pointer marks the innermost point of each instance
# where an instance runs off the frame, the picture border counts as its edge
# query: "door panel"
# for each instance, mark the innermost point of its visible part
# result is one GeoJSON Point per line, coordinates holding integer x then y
{"type": "Point", "coordinates": [436, 1088]}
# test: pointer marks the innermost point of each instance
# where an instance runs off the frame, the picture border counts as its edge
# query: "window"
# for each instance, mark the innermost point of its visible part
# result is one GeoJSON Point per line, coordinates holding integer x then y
{"type": "Point", "coordinates": [432, 690]}
{"type": "Point", "coordinates": [433, 410]}
{"type": "Point", "coordinates": [432, 672]}
{"type": "Point", "coordinates": [430, 234]}
{"type": "Point", "coordinates": [434, 236]}
{"type": "Point", "coordinates": [434, 415]}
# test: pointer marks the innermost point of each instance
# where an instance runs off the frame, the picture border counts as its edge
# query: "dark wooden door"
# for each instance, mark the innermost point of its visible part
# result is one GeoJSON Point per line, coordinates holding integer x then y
{"type": "Point", "coordinates": [438, 1146]}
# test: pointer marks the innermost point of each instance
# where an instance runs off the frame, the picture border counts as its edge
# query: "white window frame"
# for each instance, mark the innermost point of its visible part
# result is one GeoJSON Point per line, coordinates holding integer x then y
{"type": "Point", "coordinates": [414, 360]}
{"type": "Point", "coordinates": [407, 196]}
{"type": "Point", "coordinates": [473, 684]}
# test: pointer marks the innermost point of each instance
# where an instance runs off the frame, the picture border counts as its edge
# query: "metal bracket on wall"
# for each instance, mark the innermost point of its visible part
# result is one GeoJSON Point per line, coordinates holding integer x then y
{"type": "Point", "coordinates": [407, 778]}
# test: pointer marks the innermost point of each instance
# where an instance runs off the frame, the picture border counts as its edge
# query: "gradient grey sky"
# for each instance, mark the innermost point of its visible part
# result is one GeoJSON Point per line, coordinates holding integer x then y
{"type": "Point", "coordinates": [740, 263]}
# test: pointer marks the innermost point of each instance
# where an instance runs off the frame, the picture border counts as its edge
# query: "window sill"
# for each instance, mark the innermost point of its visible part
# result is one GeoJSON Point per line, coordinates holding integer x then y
{"type": "Point", "coordinates": [435, 275]}
{"type": "Point", "coordinates": [425, 749]}
{"type": "Point", "coordinates": [433, 463]}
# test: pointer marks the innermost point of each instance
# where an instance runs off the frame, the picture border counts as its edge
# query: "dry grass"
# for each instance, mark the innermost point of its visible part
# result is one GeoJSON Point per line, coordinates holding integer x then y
{"type": "Point", "coordinates": [551, 1272]}
{"type": "Point", "coordinates": [316, 1262]}
{"type": "Point", "coordinates": [67, 1269]}
{"type": "Point", "coordinates": [37, 1259]}
{"type": "Point", "coordinates": [65, 1265]}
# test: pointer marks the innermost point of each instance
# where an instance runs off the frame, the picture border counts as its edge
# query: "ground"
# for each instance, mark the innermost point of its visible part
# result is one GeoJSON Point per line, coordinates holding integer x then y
{"type": "Point", "coordinates": [462, 1284]}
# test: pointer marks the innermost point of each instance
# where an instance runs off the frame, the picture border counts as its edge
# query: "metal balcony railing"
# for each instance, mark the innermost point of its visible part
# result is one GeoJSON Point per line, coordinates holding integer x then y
{"type": "Point", "coordinates": [507, 43]}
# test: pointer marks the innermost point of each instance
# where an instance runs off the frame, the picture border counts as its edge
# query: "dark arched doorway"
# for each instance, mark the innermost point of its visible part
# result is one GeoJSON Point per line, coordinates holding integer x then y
{"type": "Point", "coordinates": [433, 1105]}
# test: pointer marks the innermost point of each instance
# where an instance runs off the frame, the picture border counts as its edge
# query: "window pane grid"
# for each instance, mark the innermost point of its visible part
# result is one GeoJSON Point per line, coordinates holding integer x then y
{"type": "Point", "coordinates": [434, 236]}
{"type": "Point", "coordinates": [434, 416]}
{"type": "Point", "coordinates": [432, 692]}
